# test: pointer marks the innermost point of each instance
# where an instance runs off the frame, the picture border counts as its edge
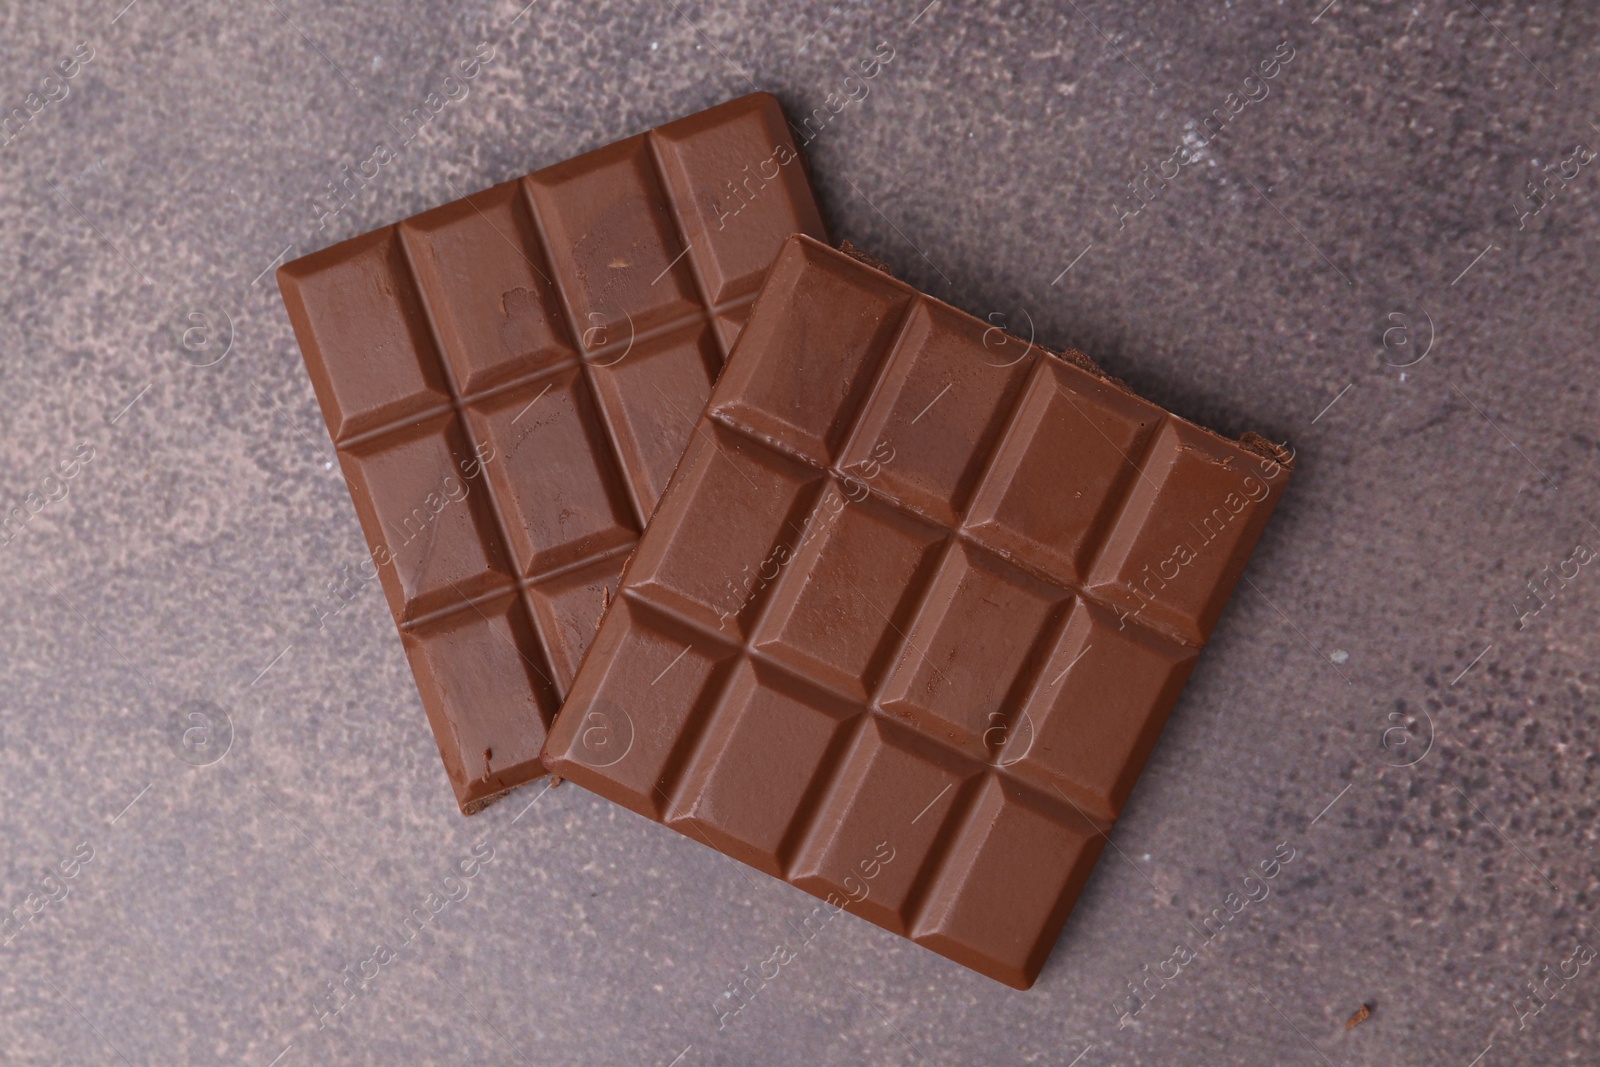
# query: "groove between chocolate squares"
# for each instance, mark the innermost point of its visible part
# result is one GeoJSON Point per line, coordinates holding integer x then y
{"type": "Point", "coordinates": [425, 619]}
{"type": "Point", "coordinates": [840, 478]}
{"type": "Point", "coordinates": [753, 653]}
{"type": "Point", "coordinates": [699, 316]}
{"type": "Point", "coordinates": [705, 314]}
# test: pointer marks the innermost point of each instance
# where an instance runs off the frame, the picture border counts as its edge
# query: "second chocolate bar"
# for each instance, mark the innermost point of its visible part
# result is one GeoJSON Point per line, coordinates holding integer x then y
{"type": "Point", "coordinates": [912, 612]}
{"type": "Point", "coordinates": [509, 381]}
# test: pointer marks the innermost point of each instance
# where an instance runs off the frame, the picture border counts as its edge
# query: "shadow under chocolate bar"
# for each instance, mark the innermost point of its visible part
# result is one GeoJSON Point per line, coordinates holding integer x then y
{"type": "Point", "coordinates": [509, 381]}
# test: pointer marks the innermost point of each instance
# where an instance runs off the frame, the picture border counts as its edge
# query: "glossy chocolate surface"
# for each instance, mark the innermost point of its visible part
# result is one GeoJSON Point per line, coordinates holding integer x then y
{"type": "Point", "coordinates": [509, 380]}
{"type": "Point", "coordinates": [912, 612]}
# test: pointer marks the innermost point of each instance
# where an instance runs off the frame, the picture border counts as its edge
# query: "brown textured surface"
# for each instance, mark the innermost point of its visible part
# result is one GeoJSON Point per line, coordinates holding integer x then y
{"type": "Point", "coordinates": [509, 380]}
{"type": "Point", "coordinates": [186, 561]}
{"type": "Point", "coordinates": [991, 572]}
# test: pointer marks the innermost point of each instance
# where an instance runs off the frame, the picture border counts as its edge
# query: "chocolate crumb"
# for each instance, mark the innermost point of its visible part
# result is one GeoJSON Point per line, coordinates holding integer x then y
{"type": "Point", "coordinates": [872, 261]}
{"type": "Point", "coordinates": [472, 807]}
{"type": "Point", "coordinates": [1266, 449]}
{"type": "Point", "coordinates": [1083, 362]}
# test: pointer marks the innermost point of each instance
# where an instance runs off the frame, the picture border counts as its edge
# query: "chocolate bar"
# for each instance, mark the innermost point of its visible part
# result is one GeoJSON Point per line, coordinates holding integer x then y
{"type": "Point", "coordinates": [912, 612]}
{"type": "Point", "coordinates": [509, 380]}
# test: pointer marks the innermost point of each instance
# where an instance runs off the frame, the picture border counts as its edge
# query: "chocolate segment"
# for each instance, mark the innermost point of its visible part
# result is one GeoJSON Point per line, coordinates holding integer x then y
{"type": "Point", "coordinates": [912, 612]}
{"type": "Point", "coordinates": [509, 380]}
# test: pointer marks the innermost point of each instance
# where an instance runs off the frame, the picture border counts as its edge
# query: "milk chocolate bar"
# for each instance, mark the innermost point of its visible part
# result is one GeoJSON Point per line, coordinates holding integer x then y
{"type": "Point", "coordinates": [912, 612]}
{"type": "Point", "coordinates": [509, 380]}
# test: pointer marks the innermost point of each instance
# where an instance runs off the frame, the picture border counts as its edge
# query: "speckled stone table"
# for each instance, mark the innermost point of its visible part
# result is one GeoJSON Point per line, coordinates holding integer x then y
{"type": "Point", "coordinates": [1364, 228]}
